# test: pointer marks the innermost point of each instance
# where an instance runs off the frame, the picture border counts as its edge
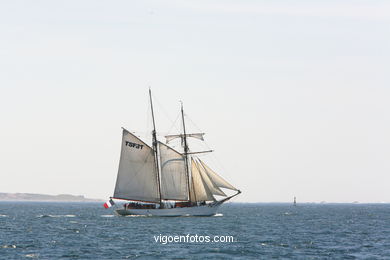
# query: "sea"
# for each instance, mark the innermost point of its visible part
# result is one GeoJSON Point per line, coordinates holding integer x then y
{"type": "Point", "coordinates": [47, 230]}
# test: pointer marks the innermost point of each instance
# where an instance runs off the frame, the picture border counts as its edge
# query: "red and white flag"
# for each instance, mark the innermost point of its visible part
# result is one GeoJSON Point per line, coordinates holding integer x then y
{"type": "Point", "coordinates": [109, 204]}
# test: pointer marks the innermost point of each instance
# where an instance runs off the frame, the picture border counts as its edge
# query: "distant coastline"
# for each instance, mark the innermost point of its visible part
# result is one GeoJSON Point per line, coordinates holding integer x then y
{"type": "Point", "coordinates": [45, 197]}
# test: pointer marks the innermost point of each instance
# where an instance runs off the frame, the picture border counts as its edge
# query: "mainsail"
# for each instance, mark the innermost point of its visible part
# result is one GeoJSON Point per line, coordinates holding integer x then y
{"type": "Point", "coordinates": [137, 174]}
{"type": "Point", "coordinates": [173, 175]}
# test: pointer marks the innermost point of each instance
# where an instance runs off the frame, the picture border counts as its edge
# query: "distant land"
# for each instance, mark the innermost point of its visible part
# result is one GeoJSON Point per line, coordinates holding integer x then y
{"type": "Point", "coordinates": [44, 197]}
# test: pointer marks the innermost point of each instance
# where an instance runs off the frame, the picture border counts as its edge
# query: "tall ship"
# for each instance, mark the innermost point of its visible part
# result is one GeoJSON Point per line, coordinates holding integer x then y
{"type": "Point", "coordinates": [158, 180]}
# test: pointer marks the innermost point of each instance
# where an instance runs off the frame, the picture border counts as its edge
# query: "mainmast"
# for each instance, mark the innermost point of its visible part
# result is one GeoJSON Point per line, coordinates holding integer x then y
{"type": "Point", "coordinates": [155, 145]}
{"type": "Point", "coordinates": [184, 139]}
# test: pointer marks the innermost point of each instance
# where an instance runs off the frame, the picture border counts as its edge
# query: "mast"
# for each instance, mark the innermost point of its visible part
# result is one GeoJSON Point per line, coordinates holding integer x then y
{"type": "Point", "coordinates": [155, 145]}
{"type": "Point", "coordinates": [184, 139]}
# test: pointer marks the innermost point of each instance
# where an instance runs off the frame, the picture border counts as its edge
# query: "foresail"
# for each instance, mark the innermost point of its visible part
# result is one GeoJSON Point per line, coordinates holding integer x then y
{"type": "Point", "coordinates": [137, 174]}
{"type": "Point", "coordinates": [208, 182]}
{"type": "Point", "coordinates": [201, 190]}
{"type": "Point", "coordinates": [173, 175]}
{"type": "Point", "coordinates": [218, 180]}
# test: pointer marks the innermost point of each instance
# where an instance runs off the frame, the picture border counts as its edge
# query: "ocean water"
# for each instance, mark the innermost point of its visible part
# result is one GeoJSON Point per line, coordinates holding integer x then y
{"type": "Point", "coordinates": [259, 231]}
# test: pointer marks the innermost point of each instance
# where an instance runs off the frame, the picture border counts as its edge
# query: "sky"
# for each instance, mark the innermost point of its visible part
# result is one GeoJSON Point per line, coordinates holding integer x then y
{"type": "Point", "coordinates": [293, 95]}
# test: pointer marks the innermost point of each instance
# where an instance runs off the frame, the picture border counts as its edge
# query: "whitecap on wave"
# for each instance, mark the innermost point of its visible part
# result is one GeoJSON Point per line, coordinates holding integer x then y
{"type": "Point", "coordinates": [107, 216]}
{"type": "Point", "coordinates": [3, 216]}
{"type": "Point", "coordinates": [136, 216]}
{"type": "Point", "coordinates": [32, 255]}
{"type": "Point", "coordinates": [218, 215]}
{"type": "Point", "coordinates": [56, 216]}
{"type": "Point", "coordinates": [8, 246]}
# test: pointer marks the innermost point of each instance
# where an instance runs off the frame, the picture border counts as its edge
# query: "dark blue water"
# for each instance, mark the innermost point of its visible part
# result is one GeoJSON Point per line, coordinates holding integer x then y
{"type": "Point", "coordinates": [260, 231]}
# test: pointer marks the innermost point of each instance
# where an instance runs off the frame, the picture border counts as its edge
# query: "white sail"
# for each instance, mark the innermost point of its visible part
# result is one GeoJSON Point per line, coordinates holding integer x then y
{"type": "Point", "coordinates": [218, 180]}
{"type": "Point", "coordinates": [137, 174]}
{"type": "Point", "coordinates": [201, 192]}
{"type": "Point", "coordinates": [173, 175]}
{"type": "Point", "coordinates": [207, 180]}
{"type": "Point", "coordinates": [196, 135]}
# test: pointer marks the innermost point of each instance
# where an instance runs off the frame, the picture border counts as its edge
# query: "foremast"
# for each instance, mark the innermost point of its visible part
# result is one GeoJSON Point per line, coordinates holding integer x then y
{"type": "Point", "coordinates": [154, 136]}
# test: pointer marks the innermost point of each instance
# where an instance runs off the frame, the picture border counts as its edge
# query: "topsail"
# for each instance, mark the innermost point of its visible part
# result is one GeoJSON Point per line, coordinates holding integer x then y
{"type": "Point", "coordinates": [196, 135]}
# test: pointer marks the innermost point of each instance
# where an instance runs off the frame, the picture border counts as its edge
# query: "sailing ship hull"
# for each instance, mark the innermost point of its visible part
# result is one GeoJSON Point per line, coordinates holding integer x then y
{"type": "Point", "coordinates": [205, 210]}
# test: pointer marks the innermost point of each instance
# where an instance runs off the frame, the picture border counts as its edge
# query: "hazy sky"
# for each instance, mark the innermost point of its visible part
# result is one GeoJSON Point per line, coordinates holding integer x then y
{"type": "Point", "coordinates": [293, 95]}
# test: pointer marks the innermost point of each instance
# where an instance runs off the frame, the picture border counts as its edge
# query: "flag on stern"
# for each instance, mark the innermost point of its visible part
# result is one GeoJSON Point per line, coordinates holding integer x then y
{"type": "Point", "coordinates": [109, 204]}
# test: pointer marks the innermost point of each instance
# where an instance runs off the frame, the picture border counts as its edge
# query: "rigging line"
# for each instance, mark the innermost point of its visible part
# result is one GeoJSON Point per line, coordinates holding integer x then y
{"type": "Point", "coordinates": [165, 112]}
{"type": "Point", "coordinates": [212, 156]}
{"type": "Point", "coordinates": [174, 124]}
{"type": "Point", "coordinates": [192, 122]}
{"type": "Point", "coordinates": [218, 163]}
{"type": "Point", "coordinates": [200, 130]}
